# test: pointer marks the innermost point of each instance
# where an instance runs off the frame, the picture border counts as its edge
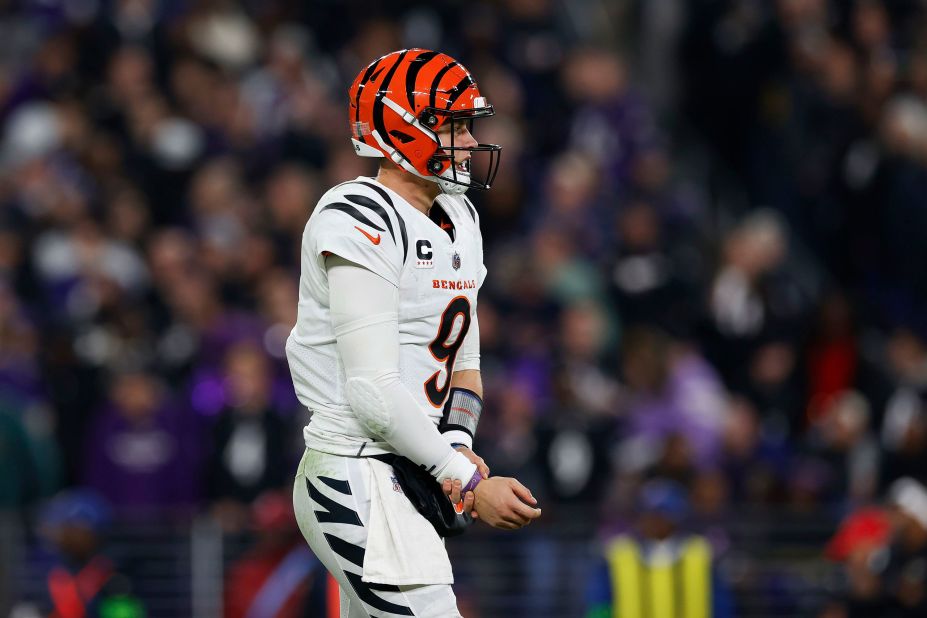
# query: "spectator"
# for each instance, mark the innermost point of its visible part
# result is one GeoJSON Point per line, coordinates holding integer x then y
{"type": "Point", "coordinates": [844, 439]}
{"type": "Point", "coordinates": [678, 567]}
{"type": "Point", "coordinates": [249, 438]}
{"type": "Point", "coordinates": [652, 276]}
{"type": "Point", "coordinates": [904, 574]}
{"type": "Point", "coordinates": [884, 554]}
{"type": "Point", "coordinates": [79, 578]}
{"type": "Point", "coordinates": [22, 488]}
{"type": "Point", "coordinates": [746, 303]}
{"type": "Point", "coordinates": [612, 123]}
{"type": "Point", "coordinates": [833, 356]}
{"type": "Point", "coordinates": [278, 577]}
{"type": "Point", "coordinates": [904, 430]}
{"type": "Point", "coordinates": [139, 454]}
{"type": "Point", "coordinates": [675, 404]}
{"type": "Point", "coordinates": [158, 162]}
{"type": "Point", "coordinates": [754, 458]}
{"type": "Point", "coordinates": [858, 544]}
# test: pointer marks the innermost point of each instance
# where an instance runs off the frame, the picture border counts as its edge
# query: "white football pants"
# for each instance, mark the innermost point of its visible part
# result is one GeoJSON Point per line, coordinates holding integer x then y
{"type": "Point", "coordinates": [332, 503]}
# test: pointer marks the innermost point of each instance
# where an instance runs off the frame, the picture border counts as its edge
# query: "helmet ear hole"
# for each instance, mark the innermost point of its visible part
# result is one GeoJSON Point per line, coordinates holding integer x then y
{"type": "Point", "coordinates": [434, 166]}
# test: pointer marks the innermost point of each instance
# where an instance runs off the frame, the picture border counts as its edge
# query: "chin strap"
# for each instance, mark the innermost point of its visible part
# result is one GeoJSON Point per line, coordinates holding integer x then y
{"type": "Point", "coordinates": [449, 187]}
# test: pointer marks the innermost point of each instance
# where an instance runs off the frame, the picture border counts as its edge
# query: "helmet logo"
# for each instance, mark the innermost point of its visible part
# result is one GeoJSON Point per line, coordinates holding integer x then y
{"type": "Point", "coordinates": [403, 138]}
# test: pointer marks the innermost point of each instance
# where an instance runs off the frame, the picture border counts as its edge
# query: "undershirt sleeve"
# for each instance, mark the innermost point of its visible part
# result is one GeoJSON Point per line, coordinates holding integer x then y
{"type": "Point", "coordinates": [364, 310]}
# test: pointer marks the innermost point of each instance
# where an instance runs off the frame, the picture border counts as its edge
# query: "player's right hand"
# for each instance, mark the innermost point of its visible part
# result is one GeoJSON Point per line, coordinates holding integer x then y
{"type": "Point", "coordinates": [463, 504]}
{"type": "Point", "coordinates": [503, 502]}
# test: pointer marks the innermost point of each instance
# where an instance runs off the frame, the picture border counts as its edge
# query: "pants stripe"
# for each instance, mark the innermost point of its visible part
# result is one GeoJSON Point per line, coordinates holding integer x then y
{"type": "Point", "coordinates": [332, 508]}
{"type": "Point", "coordinates": [334, 513]}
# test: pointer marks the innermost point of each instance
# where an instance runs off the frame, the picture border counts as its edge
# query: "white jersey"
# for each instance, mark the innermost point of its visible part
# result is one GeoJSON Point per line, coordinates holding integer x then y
{"type": "Point", "coordinates": [437, 277]}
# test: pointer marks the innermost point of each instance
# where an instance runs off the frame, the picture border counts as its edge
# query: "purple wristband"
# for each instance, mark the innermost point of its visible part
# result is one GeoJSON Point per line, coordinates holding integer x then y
{"type": "Point", "coordinates": [474, 481]}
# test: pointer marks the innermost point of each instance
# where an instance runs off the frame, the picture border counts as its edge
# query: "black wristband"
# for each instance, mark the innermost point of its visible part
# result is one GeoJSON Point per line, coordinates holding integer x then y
{"type": "Point", "coordinates": [462, 412]}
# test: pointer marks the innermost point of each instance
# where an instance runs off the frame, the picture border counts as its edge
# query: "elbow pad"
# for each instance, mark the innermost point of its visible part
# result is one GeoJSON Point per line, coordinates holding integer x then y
{"type": "Point", "coordinates": [369, 405]}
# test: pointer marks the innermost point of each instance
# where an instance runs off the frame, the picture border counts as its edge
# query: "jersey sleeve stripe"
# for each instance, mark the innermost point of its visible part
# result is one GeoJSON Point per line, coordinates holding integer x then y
{"type": "Point", "coordinates": [402, 223]}
{"type": "Point", "coordinates": [383, 194]}
{"type": "Point", "coordinates": [354, 212]}
{"type": "Point", "coordinates": [470, 209]}
{"type": "Point", "coordinates": [366, 202]}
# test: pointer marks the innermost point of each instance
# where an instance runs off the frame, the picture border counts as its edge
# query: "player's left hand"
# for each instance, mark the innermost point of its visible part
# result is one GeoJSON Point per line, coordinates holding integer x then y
{"type": "Point", "coordinates": [470, 498]}
{"type": "Point", "coordinates": [474, 458]}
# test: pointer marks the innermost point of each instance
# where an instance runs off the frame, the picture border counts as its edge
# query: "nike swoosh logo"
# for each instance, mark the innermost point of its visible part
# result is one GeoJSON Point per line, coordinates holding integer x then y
{"type": "Point", "coordinates": [374, 240]}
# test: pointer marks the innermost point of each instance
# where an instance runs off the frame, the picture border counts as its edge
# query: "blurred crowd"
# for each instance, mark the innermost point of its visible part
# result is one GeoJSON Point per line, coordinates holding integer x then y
{"type": "Point", "coordinates": [705, 246]}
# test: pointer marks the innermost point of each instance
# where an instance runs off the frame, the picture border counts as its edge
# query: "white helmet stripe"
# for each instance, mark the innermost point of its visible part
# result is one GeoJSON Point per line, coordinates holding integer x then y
{"type": "Point", "coordinates": [363, 150]}
{"type": "Point", "coordinates": [408, 117]}
{"type": "Point", "coordinates": [396, 156]}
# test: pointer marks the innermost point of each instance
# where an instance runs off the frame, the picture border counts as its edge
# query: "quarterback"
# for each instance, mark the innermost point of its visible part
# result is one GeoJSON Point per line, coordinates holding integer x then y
{"type": "Point", "coordinates": [385, 350]}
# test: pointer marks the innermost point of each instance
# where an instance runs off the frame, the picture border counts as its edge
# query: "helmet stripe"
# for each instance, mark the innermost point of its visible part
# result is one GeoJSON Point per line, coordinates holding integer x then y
{"type": "Point", "coordinates": [360, 86]}
{"type": "Point", "coordinates": [437, 80]}
{"type": "Point", "coordinates": [459, 89]}
{"type": "Point", "coordinates": [378, 102]}
{"type": "Point", "coordinates": [417, 65]}
{"type": "Point", "coordinates": [392, 71]}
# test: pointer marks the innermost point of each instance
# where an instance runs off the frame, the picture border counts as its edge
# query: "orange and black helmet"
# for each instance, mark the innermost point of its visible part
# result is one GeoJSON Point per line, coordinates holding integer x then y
{"type": "Point", "coordinates": [398, 103]}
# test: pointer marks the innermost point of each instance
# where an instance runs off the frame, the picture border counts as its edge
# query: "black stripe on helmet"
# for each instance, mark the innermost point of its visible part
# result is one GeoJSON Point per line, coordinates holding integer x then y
{"type": "Point", "coordinates": [360, 87]}
{"type": "Point", "coordinates": [379, 105]}
{"type": "Point", "coordinates": [418, 64]}
{"type": "Point", "coordinates": [437, 80]}
{"type": "Point", "coordinates": [458, 90]}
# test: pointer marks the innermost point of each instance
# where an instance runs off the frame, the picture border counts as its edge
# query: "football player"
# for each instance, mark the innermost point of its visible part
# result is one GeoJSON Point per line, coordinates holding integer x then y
{"type": "Point", "coordinates": [385, 351]}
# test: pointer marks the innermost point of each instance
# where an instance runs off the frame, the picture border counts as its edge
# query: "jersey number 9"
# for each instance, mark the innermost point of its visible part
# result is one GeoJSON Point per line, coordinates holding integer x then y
{"type": "Point", "coordinates": [445, 351]}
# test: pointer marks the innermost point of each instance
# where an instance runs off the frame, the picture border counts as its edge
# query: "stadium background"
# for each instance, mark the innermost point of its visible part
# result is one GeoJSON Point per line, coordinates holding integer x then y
{"type": "Point", "coordinates": [706, 249]}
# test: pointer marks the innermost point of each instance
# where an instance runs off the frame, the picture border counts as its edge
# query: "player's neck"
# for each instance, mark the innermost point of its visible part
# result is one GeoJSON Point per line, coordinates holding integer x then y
{"type": "Point", "coordinates": [417, 191]}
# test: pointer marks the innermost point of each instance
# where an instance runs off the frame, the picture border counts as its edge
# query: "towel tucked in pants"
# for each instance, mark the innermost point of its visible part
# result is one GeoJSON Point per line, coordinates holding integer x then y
{"type": "Point", "coordinates": [332, 496]}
